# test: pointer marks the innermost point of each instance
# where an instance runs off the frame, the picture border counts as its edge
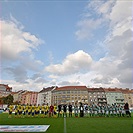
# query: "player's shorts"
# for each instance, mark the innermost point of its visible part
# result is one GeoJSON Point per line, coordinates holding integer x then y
{"type": "Point", "coordinates": [20, 112]}
{"type": "Point", "coordinates": [42, 112]}
{"type": "Point", "coordinates": [10, 112]}
{"type": "Point", "coordinates": [70, 110]}
{"type": "Point", "coordinates": [64, 111]}
{"type": "Point", "coordinates": [29, 113]}
{"type": "Point", "coordinates": [36, 112]}
{"type": "Point", "coordinates": [16, 113]}
{"type": "Point", "coordinates": [32, 113]}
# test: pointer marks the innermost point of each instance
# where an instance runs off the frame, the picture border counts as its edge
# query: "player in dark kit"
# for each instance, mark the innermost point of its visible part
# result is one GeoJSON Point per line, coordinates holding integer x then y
{"type": "Point", "coordinates": [59, 110]}
{"type": "Point", "coordinates": [81, 108]}
{"type": "Point", "coordinates": [70, 110]}
{"type": "Point", "coordinates": [64, 110]}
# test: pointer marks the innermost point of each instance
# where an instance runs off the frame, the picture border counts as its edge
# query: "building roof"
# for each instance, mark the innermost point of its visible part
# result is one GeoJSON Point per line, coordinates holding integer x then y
{"type": "Point", "coordinates": [66, 88]}
{"type": "Point", "coordinates": [96, 89]}
{"type": "Point", "coordinates": [7, 88]}
{"type": "Point", "coordinates": [47, 89]}
{"type": "Point", "coordinates": [114, 90]}
{"type": "Point", "coordinates": [30, 92]}
{"type": "Point", "coordinates": [14, 93]}
{"type": "Point", "coordinates": [125, 91]}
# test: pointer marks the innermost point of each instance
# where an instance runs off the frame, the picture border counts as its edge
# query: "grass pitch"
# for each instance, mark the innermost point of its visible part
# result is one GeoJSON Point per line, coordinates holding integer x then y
{"type": "Point", "coordinates": [75, 125]}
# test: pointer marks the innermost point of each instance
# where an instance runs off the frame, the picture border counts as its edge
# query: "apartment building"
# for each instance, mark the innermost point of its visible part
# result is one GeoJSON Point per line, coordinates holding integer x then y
{"type": "Point", "coordinates": [114, 95]}
{"type": "Point", "coordinates": [128, 97]}
{"type": "Point", "coordinates": [5, 90]}
{"type": "Point", "coordinates": [70, 94]}
{"type": "Point", "coordinates": [96, 96]}
{"type": "Point", "coordinates": [45, 95]}
{"type": "Point", "coordinates": [29, 97]}
{"type": "Point", "coordinates": [17, 96]}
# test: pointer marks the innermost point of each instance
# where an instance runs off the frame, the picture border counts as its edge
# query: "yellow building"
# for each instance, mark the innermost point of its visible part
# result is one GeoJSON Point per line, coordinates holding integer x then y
{"type": "Point", "coordinates": [70, 94]}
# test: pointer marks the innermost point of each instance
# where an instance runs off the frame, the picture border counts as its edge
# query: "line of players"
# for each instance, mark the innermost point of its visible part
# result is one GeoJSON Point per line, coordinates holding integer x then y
{"type": "Point", "coordinates": [67, 110]}
{"type": "Point", "coordinates": [94, 110]}
{"type": "Point", "coordinates": [32, 111]}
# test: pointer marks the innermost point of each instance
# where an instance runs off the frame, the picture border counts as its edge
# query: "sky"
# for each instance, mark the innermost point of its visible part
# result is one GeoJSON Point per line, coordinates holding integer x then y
{"type": "Point", "coordinates": [65, 42]}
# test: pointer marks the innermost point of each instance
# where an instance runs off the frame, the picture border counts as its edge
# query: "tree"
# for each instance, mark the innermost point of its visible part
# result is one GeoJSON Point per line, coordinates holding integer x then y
{"type": "Point", "coordinates": [8, 100]}
{"type": "Point", "coordinates": [1, 100]}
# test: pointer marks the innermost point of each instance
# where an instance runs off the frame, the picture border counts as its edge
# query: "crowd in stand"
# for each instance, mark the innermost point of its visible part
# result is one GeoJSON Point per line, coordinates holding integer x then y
{"type": "Point", "coordinates": [64, 110]}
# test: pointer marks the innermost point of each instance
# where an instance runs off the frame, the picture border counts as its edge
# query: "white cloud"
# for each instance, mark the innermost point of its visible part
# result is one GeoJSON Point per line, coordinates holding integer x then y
{"type": "Point", "coordinates": [73, 63]}
{"type": "Point", "coordinates": [30, 85]}
{"type": "Point", "coordinates": [121, 11]}
{"type": "Point", "coordinates": [86, 27]}
{"type": "Point", "coordinates": [115, 68]}
{"type": "Point", "coordinates": [17, 50]}
{"type": "Point", "coordinates": [94, 18]}
{"type": "Point", "coordinates": [105, 8]}
{"type": "Point", "coordinates": [14, 41]}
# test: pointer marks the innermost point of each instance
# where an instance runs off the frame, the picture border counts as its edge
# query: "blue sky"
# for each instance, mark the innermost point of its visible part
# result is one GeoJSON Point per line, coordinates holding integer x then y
{"type": "Point", "coordinates": [47, 43]}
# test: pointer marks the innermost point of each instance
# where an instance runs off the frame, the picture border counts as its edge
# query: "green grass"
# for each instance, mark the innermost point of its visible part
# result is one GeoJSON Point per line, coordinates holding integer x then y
{"type": "Point", "coordinates": [76, 125]}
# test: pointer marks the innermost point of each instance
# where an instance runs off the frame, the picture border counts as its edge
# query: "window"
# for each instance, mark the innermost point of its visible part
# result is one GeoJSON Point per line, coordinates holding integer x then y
{"type": "Point", "coordinates": [64, 92]}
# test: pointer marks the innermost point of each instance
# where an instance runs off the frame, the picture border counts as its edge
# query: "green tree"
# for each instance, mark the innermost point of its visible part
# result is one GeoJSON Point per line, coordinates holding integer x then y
{"type": "Point", "coordinates": [8, 100]}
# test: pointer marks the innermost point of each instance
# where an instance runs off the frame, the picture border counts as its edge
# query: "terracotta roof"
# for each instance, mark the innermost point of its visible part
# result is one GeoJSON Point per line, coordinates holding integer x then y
{"type": "Point", "coordinates": [14, 93]}
{"type": "Point", "coordinates": [66, 88]}
{"type": "Point", "coordinates": [125, 90]}
{"type": "Point", "coordinates": [7, 87]}
{"type": "Point", "coordinates": [95, 89]}
{"type": "Point", "coordinates": [116, 90]}
{"type": "Point", "coordinates": [131, 91]}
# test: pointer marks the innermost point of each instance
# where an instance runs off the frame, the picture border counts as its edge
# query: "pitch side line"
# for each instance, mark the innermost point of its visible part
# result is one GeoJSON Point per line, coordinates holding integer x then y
{"type": "Point", "coordinates": [65, 131]}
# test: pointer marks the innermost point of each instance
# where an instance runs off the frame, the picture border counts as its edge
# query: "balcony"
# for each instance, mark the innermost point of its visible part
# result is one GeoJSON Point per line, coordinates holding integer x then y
{"type": "Point", "coordinates": [102, 100]}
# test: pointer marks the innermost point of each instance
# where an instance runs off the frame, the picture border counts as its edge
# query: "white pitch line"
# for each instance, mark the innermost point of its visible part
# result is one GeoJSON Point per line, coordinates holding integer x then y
{"type": "Point", "coordinates": [65, 131]}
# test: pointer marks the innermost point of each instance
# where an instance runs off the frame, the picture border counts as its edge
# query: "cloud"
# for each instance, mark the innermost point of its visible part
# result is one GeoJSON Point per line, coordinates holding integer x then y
{"type": "Point", "coordinates": [38, 78]}
{"type": "Point", "coordinates": [73, 63]}
{"type": "Point", "coordinates": [118, 15]}
{"type": "Point", "coordinates": [69, 83]}
{"type": "Point", "coordinates": [17, 50]}
{"type": "Point", "coordinates": [95, 16]}
{"type": "Point", "coordinates": [86, 28]}
{"type": "Point", "coordinates": [15, 41]}
{"type": "Point", "coordinates": [115, 67]}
